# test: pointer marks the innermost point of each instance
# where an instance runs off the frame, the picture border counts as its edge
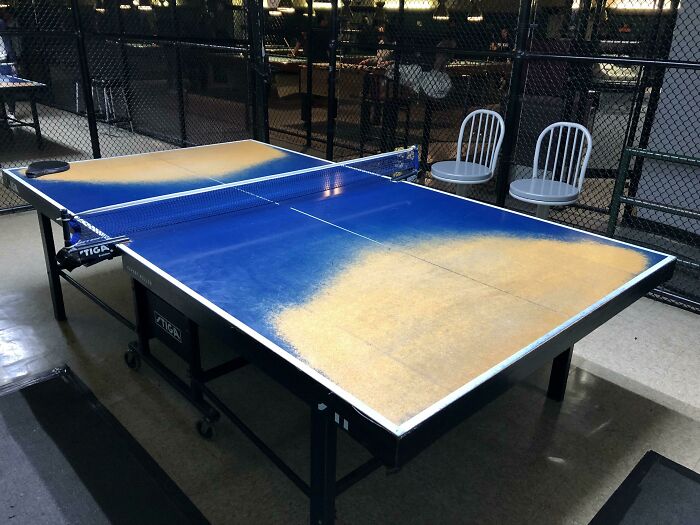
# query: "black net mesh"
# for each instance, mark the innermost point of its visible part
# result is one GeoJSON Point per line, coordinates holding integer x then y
{"type": "Point", "coordinates": [129, 218]}
{"type": "Point", "coordinates": [37, 118]}
{"type": "Point", "coordinates": [660, 210]}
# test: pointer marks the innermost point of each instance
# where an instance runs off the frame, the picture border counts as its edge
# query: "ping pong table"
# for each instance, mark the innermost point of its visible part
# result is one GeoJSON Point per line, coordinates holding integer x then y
{"type": "Point", "coordinates": [393, 310]}
{"type": "Point", "coordinates": [16, 89]}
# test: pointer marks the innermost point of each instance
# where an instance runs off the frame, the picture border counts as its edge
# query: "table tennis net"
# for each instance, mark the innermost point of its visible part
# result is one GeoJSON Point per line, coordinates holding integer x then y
{"type": "Point", "coordinates": [129, 218]}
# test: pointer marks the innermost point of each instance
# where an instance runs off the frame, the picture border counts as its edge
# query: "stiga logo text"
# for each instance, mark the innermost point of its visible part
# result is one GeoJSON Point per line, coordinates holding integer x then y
{"type": "Point", "coordinates": [95, 250]}
{"type": "Point", "coordinates": [168, 327]}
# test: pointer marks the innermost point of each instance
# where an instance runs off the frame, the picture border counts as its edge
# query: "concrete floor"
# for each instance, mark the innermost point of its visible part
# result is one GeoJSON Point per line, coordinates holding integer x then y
{"type": "Point", "coordinates": [522, 459]}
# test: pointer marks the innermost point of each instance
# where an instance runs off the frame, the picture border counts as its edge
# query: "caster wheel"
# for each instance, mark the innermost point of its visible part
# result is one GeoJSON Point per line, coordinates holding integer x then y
{"type": "Point", "coordinates": [205, 428]}
{"type": "Point", "coordinates": [132, 359]}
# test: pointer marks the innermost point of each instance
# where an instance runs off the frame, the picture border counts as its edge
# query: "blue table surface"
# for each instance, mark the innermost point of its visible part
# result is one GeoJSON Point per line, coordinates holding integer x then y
{"type": "Point", "coordinates": [297, 272]}
{"type": "Point", "coordinates": [256, 263]}
{"type": "Point", "coordinates": [78, 196]}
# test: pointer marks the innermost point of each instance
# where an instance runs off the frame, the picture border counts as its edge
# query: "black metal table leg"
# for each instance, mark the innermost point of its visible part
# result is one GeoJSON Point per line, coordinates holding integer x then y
{"type": "Point", "coordinates": [323, 463]}
{"type": "Point", "coordinates": [59, 310]}
{"type": "Point", "coordinates": [35, 119]}
{"type": "Point", "coordinates": [4, 121]}
{"type": "Point", "coordinates": [389, 122]}
{"type": "Point", "coordinates": [559, 375]}
{"type": "Point", "coordinates": [185, 345]}
{"type": "Point", "coordinates": [195, 364]}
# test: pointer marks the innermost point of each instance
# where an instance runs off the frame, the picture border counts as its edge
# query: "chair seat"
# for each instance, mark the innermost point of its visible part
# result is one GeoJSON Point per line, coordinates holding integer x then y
{"type": "Point", "coordinates": [539, 191]}
{"type": "Point", "coordinates": [462, 172]}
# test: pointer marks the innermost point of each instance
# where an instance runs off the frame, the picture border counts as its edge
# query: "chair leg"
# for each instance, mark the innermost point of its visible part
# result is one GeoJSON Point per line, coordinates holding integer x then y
{"type": "Point", "coordinates": [542, 211]}
{"type": "Point", "coordinates": [35, 120]}
{"type": "Point", "coordinates": [461, 190]}
{"type": "Point", "coordinates": [96, 100]}
{"type": "Point", "coordinates": [126, 107]}
{"type": "Point", "coordinates": [109, 109]}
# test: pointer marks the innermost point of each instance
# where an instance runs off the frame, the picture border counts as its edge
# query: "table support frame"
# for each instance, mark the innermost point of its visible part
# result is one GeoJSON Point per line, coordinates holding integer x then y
{"type": "Point", "coordinates": [55, 273]}
{"type": "Point", "coordinates": [323, 486]}
{"type": "Point", "coordinates": [52, 270]}
{"type": "Point", "coordinates": [323, 466]}
{"type": "Point", "coordinates": [559, 375]}
{"type": "Point", "coordinates": [385, 447]}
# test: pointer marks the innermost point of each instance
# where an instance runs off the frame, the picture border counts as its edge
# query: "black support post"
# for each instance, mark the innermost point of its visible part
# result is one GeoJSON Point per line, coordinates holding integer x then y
{"type": "Point", "coordinates": [181, 102]}
{"type": "Point", "coordinates": [572, 87]}
{"type": "Point", "coordinates": [332, 67]}
{"type": "Point", "coordinates": [599, 15]}
{"type": "Point", "coordinates": [59, 310]}
{"type": "Point", "coordinates": [85, 81]}
{"type": "Point", "coordinates": [308, 96]}
{"type": "Point", "coordinates": [658, 47]}
{"type": "Point", "coordinates": [584, 15]}
{"type": "Point", "coordinates": [182, 107]}
{"type": "Point", "coordinates": [390, 115]}
{"type": "Point", "coordinates": [125, 67]}
{"type": "Point", "coordinates": [256, 33]}
{"type": "Point", "coordinates": [515, 93]}
{"type": "Point", "coordinates": [425, 141]}
{"type": "Point", "coordinates": [559, 375]}
{"type": "Point", "coordinates": [323, 463]}
{"type": "Point", "coordinates": [35, 121]}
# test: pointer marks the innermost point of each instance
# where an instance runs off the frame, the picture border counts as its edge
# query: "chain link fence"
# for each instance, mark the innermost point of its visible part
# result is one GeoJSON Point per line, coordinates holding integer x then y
{"type": "Point", "coordinates": [102, 78]}
{"type": "Point", "coordinates": [356, 77]}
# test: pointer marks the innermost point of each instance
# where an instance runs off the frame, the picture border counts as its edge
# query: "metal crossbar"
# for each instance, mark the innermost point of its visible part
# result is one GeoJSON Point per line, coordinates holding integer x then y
{"type": "Point", "coordinates": [618, 199]}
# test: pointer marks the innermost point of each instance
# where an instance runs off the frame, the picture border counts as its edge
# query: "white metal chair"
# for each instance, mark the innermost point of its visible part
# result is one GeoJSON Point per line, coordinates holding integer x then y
{"type": "Point", "coordinates": [486, 130]}
{"type": "Point", "coordinates": [560, 181]}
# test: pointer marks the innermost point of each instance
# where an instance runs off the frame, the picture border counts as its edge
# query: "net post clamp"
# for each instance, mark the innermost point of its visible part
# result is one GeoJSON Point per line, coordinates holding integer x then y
{"type": "Point", "coordinates": [88, 253]}
{"type": "Point", "coordinates": [403, 175]}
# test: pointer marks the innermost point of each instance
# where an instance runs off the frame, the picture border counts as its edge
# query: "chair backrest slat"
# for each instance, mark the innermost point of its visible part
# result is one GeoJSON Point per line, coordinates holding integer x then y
{"type": "Point", "coordinates": [492, 140]}
{"type": "Point", "coordinates": [556, 155]}
{"type": "Point", "coordinates": [574, 167]}
{"type": "Point", "coordinates": [479, 138]}
{"type": "Point", "coordinates": [486, 129]}
{"type": "Point", "coordinates": [581, 167]}
{"type": "Point", "coordinates": [565, 154]}
{"type": "Point", "coordinates": [546, 159]}
{"type": "Point", "coordinates": [469, 144]}
{"type": "Point", "coordinates": [479, 131]}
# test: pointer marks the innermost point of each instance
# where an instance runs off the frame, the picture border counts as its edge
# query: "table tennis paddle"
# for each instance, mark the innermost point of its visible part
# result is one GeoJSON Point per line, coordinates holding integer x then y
{"type": "Point", "coordinates": [46, 167]}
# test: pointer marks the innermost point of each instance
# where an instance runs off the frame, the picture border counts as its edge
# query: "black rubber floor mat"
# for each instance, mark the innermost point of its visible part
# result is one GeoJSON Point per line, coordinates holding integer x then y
{"type": "Point", "coordinates": [657, 491]}
{"type": "Point", "coordinates": [65, 459]}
